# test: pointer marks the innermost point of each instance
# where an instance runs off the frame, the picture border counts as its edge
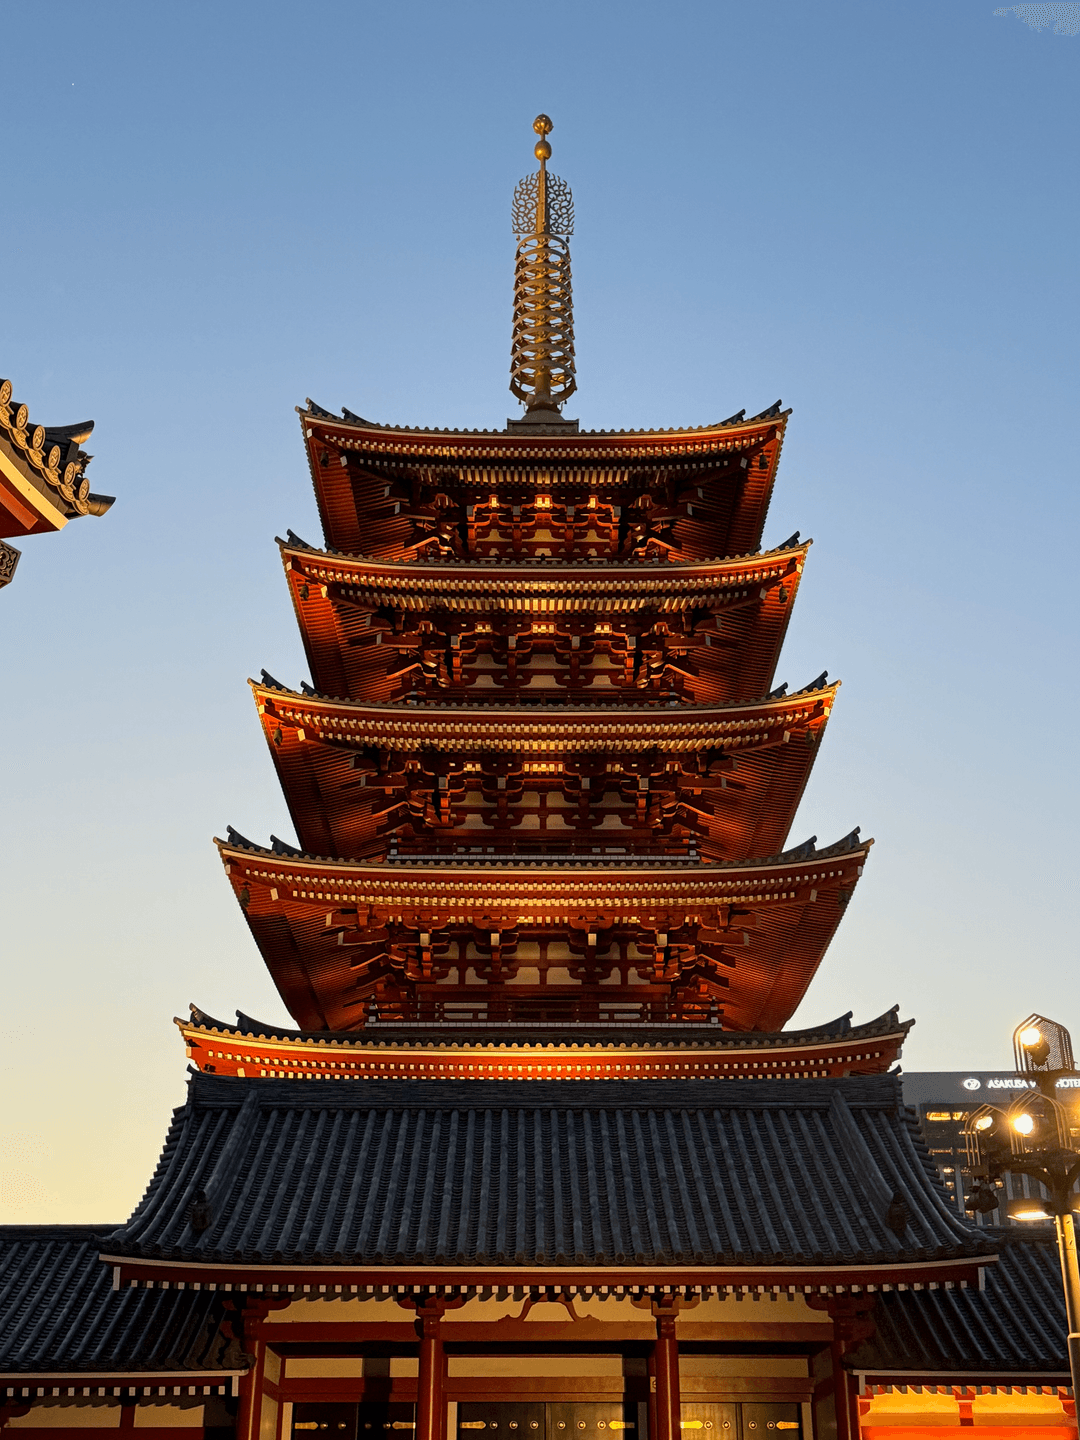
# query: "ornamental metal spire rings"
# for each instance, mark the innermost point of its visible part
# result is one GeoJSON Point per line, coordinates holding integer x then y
{"type": "Point", "coordinates": [542, 350]}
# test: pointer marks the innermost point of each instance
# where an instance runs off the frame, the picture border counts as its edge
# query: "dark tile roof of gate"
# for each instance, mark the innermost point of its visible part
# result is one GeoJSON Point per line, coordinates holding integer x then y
{"type": "Point", "coordinates": [1016, 1323]}
{"type": "Point", "coordinates": [59, 1312]}
{"type": "Point", "coordinates": [600, 1173]}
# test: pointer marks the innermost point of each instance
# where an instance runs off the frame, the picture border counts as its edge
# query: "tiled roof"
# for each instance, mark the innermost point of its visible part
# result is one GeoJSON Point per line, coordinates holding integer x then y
{"type": "Point", "coordinates": [486, 1173]}
{"type": "Point", "coordinates": [59, 1312]}
{"type": "Point", "coordinates": [51, 458]}
{"type": "Point", "coordinates": [669, 570]}
{"type": "Point", "coordinates": [1016, 1323]}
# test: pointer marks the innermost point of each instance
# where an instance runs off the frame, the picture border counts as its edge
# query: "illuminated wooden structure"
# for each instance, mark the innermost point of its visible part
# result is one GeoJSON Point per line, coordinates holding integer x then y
{"type": "Point", "coordinates": [540, 1155]}
{"type": "Point", "coordinates": [559, 1052]}
{"type": "Point", "coordinates": [43, 481]}
{"type": "Point", "coordinates": [541, 774]}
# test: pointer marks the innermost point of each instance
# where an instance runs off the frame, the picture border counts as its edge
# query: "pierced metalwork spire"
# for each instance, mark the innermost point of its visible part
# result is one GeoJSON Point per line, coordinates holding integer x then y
{"type": "Point", "coordinates": [542, 350]}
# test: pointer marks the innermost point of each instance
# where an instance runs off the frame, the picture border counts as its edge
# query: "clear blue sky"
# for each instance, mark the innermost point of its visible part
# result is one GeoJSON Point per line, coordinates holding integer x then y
{"type": "Point", "coordinates": [212, 211]}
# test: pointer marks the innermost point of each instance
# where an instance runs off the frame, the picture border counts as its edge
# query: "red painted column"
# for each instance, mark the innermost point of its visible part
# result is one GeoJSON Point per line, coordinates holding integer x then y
{"type": "Point", "coordinates": [431, 1386]}
{"type": "Point", "coordinates": [847, 1419]}
{"type": "Point", "coordinates": [852, 1317]}
{"type": "Point", "coordinates": [251, 1386]}
{"type": "Point", "coordinates": [666, 1373]}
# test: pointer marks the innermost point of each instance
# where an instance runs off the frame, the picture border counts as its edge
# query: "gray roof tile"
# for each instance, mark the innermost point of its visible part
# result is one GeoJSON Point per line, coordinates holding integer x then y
{"type": "Point", "coordinates": [602, 1173]}
{"type": "Point", "coordinates": [1016, 1323]}
{"type": "Point", "coordinates": [59, 1312]}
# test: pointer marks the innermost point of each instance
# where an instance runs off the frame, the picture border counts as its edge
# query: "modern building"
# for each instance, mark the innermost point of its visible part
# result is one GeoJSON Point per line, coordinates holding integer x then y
{"type": "Point", "coordinates": [945, 1099]}
{"type": "Point", "coordinates": [538, 1155]}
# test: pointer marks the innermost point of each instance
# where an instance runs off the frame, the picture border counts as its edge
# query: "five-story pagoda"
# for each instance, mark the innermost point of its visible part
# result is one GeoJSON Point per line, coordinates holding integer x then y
{"type": "Point", "coordinates": [541, 777]}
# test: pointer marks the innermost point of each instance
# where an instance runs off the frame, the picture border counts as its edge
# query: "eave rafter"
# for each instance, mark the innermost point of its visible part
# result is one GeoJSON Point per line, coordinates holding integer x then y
{"type": "Point", "coordinates": [537, 587]}
{"type": "Point", "coordinates": [541, 730]}
{"type": "Point", "coordinates": [807, 1279]}
{"type": "Point", "coordinates": [380, 1052]}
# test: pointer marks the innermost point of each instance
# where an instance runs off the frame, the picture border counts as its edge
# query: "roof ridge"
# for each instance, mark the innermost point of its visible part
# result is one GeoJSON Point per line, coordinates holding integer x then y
{"type": "Point", "coordinates": [804, 852]}
{"type": "Point", "coordinates": [349, 417]}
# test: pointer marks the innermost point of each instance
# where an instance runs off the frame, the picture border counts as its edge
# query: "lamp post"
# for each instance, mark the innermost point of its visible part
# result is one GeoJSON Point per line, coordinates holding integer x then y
{"type": "Point", "coordinates": [1034, 1136]}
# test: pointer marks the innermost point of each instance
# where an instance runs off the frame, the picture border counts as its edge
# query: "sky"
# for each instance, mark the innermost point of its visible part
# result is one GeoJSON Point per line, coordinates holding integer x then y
{"type": "Point", "coordinates": [214, 210]}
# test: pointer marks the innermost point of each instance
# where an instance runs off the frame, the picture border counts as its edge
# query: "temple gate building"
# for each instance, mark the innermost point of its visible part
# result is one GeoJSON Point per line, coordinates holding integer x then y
{"type": "Point", "coordinates": [539, 1157]}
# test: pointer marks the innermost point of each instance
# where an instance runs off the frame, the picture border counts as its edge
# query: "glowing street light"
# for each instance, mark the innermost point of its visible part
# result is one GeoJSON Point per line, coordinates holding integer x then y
{"type": "Point", "coordinates": [1034, 1137]}
{"type": "Point", "coordinates": [1032, 1040]}
{"type": "Point", "coordinates": [1028, 1210]}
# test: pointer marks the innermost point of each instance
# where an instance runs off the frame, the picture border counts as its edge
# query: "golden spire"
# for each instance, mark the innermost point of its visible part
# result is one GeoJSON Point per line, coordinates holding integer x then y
{"type": "Point", "coordinates": [542, 350]}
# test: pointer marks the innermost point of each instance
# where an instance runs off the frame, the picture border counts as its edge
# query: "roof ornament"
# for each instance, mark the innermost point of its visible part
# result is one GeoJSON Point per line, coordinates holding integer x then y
{"type": "Point", "coordinates": [542, 350]}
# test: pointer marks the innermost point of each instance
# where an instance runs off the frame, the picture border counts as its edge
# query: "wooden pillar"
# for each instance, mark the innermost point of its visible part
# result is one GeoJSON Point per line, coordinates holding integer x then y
{"type": "Point", "coordinates": [251, 1386]}
{"type": "Point", "coordinates": [245, 1326]}
{"type": "Point", "coordinates": [853, 1322]}
{"type": "Point", "coordinates": [652, 1395]}
{"type": "Point", "coordinates": [666, 1372]}
{"type": "Point", "coordinates": [847, 1418]}
{"type": "Point", "coordinates": [431, 1385]}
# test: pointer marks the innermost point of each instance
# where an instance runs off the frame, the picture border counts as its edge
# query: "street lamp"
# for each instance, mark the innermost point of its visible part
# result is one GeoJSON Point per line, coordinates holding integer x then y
{"type": "Point", "coordinates": [1034, 1135]}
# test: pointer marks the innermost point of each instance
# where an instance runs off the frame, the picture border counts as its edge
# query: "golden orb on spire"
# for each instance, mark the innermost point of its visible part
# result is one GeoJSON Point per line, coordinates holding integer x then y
{"type": "Point", "coordinates": [543, 126]}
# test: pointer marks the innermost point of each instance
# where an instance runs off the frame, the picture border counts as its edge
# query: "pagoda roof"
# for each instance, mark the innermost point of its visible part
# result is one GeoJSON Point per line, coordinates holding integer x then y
{"type": "Point", "coordinates": [735, 424]}
{"type": "Point", "coordinates": [341, 452]}
{"type": "Point", "coordinates": [1013, 1324]}
{"type": "Point", "coordinates": [457, 1050]}
{"type": "Point", "coordinates": [694, 1183]}
{"type": "Point", "coordinates": [543, 587]}
{"type": "Point", "coordinates": [43, 480]}
{"type": "Point", "coordinates": [795, 899]}
{"type": "Point", "coordinates": [335, 595]}
{"type": "Point", "coordinates": [60, 1316]}
{"type": "Point", "coordinates": [699, 884]}
{"type": "Point", "coordinates": [315, 742]}
{"type": "Point", "coordinates": [536, 728]}
{"type": "Point", "coordinates": [643, 1036]}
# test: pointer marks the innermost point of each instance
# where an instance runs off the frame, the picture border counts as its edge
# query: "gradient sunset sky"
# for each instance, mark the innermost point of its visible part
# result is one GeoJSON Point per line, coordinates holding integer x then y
{"type": "Point", "coordinates": [214, 210]}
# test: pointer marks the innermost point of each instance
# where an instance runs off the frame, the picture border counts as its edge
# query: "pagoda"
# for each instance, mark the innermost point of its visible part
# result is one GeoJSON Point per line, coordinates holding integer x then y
{"type": "Point", "coordinates": [538, 1154]}
{"type": "Point", "coordinates": [542, 775]}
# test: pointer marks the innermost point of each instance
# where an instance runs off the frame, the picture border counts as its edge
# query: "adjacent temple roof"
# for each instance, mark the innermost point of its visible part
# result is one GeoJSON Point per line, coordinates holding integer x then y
{"type": "Point", "coordinates": [61, 1317]}
{"type": "Point", "coordinates": [60, 1314]}
{"type": "Point", "coordinates": [43, 480]}
{"type": "Point", "coordinates": [366, 1176]}
{"type": "Point", "coordinates": [1014, 1323]}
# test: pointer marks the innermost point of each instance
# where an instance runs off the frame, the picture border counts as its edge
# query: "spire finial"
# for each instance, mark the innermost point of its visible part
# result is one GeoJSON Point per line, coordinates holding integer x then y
{"type": "Point", "coordinates": [542, 352]}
